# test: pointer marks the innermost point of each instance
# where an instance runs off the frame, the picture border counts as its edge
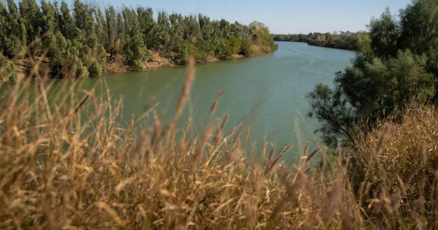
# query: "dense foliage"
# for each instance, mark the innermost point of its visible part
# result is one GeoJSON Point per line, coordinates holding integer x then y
{"type": "Point", "coordinates": [7, 71]}
{"type": "Point", "coordinates": [342, 40]}
{"type": "Point", "coordinates": [398, 63]}
{"type": "Point", "coordinates": [80, 41]}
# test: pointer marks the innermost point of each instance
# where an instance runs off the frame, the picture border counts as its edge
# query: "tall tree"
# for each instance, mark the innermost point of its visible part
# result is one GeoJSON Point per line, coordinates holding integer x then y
{"type": "Point", "coordinates": [32, 15]}
{"type": "Point", "coordinates": [134, 47]}
{"type": "Point", "coordinates": [420, 26]}
{"type": "Point", "coordinates": [66, 23]}
{"type": "Point", "coordinates": [399, 65]}
{"type": "Point", "coordinates": [111, 25]}
{"type": "Point", "coordinates": [50, 22]}
{"type": "Point", "coordinates": [101, 28]}
{"type": "Point", "coordinates": [384, 33]}
{"type": "Point", "coordinates": [13, 40]}
{"type": "Point", "coordinates": [147, 25]}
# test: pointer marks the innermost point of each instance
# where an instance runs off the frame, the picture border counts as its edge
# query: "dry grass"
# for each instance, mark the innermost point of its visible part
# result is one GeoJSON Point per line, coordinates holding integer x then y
{"type": "Point", "coordinates": [395, 169]}
{"type": "Point", "coordinates": [62, 167]}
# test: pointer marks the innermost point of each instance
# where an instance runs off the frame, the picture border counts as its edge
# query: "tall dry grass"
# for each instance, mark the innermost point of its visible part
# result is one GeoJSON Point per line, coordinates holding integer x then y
{"type": "Point", "coordinates": [394, 171]}
{"type": "Point", "coordinates": [64, 168]}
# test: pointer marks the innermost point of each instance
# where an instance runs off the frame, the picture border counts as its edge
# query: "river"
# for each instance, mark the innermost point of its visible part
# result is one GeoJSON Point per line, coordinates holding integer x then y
{"type": "Point", "coordinates": [273, 87]}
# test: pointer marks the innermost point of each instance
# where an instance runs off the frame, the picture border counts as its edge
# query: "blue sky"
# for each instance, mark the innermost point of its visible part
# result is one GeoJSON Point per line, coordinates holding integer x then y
{"type": "Point", "coordinates": [282, 16]}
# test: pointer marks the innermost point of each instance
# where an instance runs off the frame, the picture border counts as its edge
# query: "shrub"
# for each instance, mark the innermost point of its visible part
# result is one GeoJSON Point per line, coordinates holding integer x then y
{"type": "Point", "coordinates": [245, 48]}
{"type": "Point", "coordinates": [232, 46]}
{"type": "Point", "coordinates": [182, 54]}
{"type": "Point", "coordinates": [95, 69]}
{"type": "Point", "coordinates": [81, 70]}
{"type": "Point", "coordinates": [42, 69]}
{"type": "Point", "coordinates": [7, 70]}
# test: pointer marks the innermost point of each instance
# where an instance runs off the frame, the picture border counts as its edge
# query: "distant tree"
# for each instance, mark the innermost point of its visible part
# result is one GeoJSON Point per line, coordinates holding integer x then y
{"type": "Point", "coordinates": [78, 41]}
{"type": "Point", "coordinates": [256, 25]}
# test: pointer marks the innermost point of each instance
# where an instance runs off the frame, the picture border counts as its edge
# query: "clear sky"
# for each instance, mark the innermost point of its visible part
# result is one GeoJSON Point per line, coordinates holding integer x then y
{"type": "Point", "coordinates": [281, 16]}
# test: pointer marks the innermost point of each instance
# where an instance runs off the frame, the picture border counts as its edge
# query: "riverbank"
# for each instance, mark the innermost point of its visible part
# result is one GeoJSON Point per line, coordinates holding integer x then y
{"type": "Point", "coordinates": [155, 61]}
{"type": "Point", "coordinates": [323, 45]}
{"type": "Point", "coordinates": [342, 40]}
{"type": "Point", "coordinates": [105, 40]}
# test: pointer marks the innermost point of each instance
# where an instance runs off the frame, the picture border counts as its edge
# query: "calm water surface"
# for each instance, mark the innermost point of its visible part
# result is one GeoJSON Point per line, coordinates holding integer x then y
{"type": "Point", "coordinates": [274, 86]}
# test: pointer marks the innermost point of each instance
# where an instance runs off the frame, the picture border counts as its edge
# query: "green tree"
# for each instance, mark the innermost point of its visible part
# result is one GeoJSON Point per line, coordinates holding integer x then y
{"type": "Point", "coordinates": [384, 33]}
{"type": "Point", "coordinates": [134, 48]}
{"type": "Point", "coordinates": [66, 23]}
{"type": "Point", "coordinates": [147, 25]}
{"type": "Point", "coordinates": [101, 28]}
{"type": "Point", "coordinates": [120, 33]}
{"type": "Point", "coordinates": [50, 22]}
{"type": "Point", "coordinates": [397, 66]}
{"type": "Point", "coordinates": [111, 25]}
{"type": "Point", "coordinates": [419, 22]}
{"type": "Point", "coordinates": [13, 40]}
{"type": "Point", "coordinates": [32, 15]}
{"type": "Point", "coordinates": [77, 40]}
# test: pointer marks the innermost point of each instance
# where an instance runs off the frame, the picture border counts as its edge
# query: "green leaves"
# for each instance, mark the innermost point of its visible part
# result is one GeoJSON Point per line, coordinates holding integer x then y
{"type": "Point", "coordinates": [7, 70]}
{"type": "Point", "coordinates": [398, 65]}
{"type": "Point", "coordinates": [331, 108]}
{"type": "Point", "coordinates": [419, 22]}
{"type": "Point", "coordinates": [78, 41]}
{"type": "Point", "coordinates": [12, 40]}
{"type": "Point", "coordinates": [134, 47]}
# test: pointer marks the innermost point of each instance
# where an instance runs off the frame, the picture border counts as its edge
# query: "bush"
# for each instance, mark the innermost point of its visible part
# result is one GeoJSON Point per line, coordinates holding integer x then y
{"type": "Point", "coordinates": [7, 70]}
{"type": "Point", "coordinates": [95, 69]}
{"type": "Point", "coordinates": [81, 70]}
{"type": "Point", "coordinates": [245, 48]}
{"type": "Point", "coordinates": [232, 46]}
{"type": "Point", "coordinates": [42, 69]}
{"type": "Point", "coordinates": [182, 55]}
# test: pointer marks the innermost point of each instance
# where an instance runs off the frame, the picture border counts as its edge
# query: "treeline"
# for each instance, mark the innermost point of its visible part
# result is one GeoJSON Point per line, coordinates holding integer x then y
{"type": "Point", "coordinates": [398, 64]}
{"type": "Point", "coordinates": [81, 41]}
{"type": "Point", "coordinates": [342, 40]}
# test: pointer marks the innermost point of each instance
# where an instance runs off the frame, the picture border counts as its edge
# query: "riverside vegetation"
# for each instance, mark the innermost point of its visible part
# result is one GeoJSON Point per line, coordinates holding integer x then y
{"type": "Point", "coordinates": [92, 41]}
{"type": "Point", "coordinates": [66, 163]}
{"type": "Point", "coordinates": [342, 40]}
{"type": "Point", "coordinates": [70, 165]}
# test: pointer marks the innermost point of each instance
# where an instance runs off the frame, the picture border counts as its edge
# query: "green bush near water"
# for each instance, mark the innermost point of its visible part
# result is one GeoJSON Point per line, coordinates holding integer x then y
{"type": "Point", "coordinates": [86, 33]}
{"type": "Point", "coordinates": [7, 70]}
{"type": "Point", "coordinates": [397, 64]}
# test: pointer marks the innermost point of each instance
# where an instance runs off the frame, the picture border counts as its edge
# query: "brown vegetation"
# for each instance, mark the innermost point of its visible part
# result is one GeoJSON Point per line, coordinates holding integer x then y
{"type": "Point", "coordinates": [71, 165]}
